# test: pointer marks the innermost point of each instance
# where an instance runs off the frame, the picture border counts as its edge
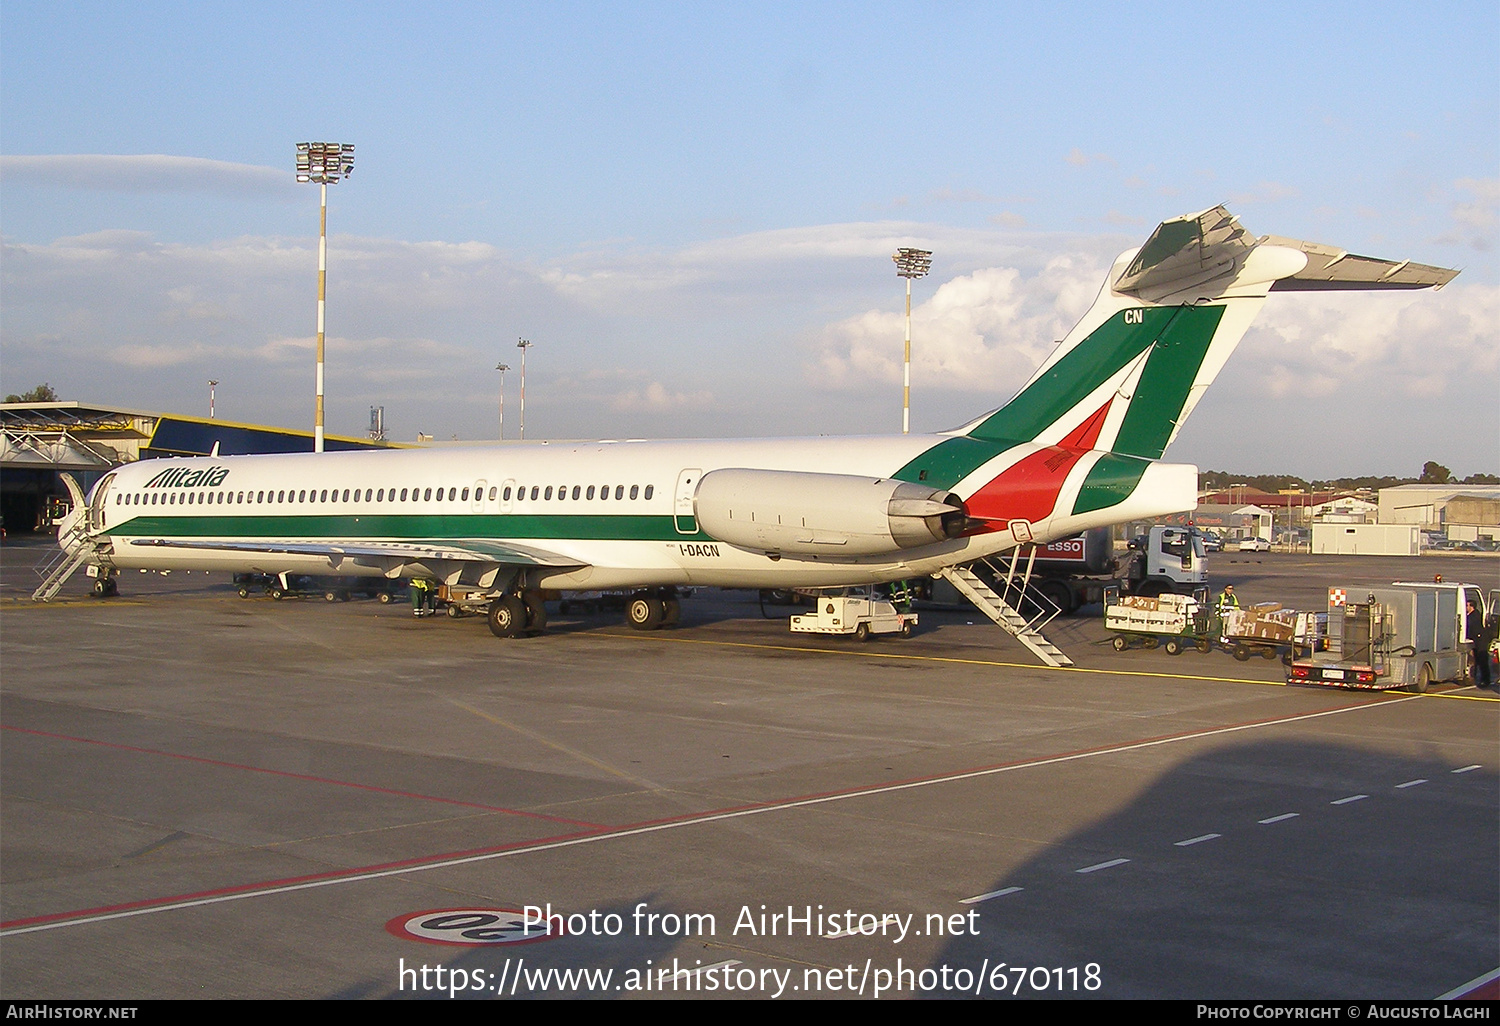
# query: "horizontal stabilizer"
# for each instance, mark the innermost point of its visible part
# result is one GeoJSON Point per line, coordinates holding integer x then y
{"type": "Point", "coordinates": [1330, 268]}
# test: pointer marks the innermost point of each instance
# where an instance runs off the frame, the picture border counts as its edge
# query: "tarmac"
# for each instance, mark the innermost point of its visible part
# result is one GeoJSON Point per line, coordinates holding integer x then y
{"type": "Point", "coordinates": [203, 796]}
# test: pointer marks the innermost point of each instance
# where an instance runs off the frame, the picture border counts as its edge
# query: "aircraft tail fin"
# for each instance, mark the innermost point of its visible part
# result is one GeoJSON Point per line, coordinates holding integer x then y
{"type": "Point", "coordinates": [1165, 321]}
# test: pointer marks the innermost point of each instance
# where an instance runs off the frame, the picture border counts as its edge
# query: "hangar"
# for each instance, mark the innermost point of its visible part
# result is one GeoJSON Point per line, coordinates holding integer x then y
{"type": "Point", "coordinates": [40, 440]}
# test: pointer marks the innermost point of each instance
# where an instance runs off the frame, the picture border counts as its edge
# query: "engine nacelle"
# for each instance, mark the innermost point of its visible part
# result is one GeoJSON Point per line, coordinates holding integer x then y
{"type": "Point", "coordinates": [792, 512]}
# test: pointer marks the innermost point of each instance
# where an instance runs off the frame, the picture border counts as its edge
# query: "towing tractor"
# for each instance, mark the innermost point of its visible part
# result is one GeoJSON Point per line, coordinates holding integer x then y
{"type": "Point", "coordinates": [1408, 635]}
{"type": "Point", "coordinates": [857, 611]}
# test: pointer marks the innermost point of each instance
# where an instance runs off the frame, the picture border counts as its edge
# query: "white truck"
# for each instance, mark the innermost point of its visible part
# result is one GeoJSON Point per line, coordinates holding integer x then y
{"type": "Point", "coordinates": [1076, 571]}
{"type": "Point", "coordinates": [1408, 635]}
{"type": "Point", "coordinates": [856, 611]}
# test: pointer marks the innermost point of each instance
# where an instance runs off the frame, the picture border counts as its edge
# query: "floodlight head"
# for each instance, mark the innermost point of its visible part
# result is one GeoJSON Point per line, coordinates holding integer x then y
{"type": "Point", "coordinates": [324, 162]}
{"type": "Point", "coordinates": [912, 263]}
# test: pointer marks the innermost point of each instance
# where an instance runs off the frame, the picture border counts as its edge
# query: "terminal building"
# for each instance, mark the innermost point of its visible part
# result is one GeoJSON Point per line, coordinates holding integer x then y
{"type": "Point", "coordinates": [38, 441]}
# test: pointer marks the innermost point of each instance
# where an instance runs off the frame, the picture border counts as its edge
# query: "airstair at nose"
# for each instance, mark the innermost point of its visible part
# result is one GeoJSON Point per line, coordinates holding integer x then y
{"type": "Point", "coordinates": [76, 550]}
{"type": "Point", "coordinates": [1006, 606]}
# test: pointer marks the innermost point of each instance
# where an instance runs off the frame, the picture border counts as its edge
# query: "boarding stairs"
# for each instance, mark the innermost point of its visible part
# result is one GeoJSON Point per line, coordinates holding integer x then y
{"type": "Point", "coordinates": [1016, 606]}
{"type": "Point", "coordinates": [76, 548]}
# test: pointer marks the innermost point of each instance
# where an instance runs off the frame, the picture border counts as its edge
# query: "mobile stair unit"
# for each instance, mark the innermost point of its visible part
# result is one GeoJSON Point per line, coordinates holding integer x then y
{"type": "Point", "coordinates": [1016, 606]}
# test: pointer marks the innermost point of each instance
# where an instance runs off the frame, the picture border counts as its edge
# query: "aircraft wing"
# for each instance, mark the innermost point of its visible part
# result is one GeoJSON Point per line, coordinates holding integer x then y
{"type": "Point", "coordinates": [480, 550]}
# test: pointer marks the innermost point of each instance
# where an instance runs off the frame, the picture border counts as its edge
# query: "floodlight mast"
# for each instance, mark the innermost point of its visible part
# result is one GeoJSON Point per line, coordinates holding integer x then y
{"type": "Point", "coordinates": [325, 163]}
{"type": "Point", "coordinates": [910, 263]}
{"type": "Point", "coordinates": [523, 345]}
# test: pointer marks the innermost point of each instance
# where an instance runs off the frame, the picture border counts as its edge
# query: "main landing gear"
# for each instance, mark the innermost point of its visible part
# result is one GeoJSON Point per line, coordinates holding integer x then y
{"type": "Point", "coordinates": [513, 615]}
{"type": "Point", "coordinates": [649, 611]}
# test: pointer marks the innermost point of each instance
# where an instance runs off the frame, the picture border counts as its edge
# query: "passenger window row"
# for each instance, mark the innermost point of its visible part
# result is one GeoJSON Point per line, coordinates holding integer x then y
{"type": "Point", "coordinates": [220, 498]}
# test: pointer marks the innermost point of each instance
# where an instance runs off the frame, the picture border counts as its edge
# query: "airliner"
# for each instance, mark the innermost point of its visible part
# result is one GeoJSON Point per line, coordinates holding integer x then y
{"type": "Point", "coordinates": [1079, 446]}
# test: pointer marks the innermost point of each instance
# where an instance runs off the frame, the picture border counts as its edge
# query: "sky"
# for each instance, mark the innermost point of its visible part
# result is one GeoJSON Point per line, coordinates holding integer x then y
{"type": "Point", "coordinates": [689, 209]}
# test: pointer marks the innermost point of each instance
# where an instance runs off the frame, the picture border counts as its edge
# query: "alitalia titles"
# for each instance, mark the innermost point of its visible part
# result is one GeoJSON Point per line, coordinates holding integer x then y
{"type": "Point", "coordinates": [187, 477]}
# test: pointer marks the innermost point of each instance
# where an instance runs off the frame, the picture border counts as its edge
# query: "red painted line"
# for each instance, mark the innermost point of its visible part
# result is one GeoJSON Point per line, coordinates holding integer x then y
{"type": "Point", "coordinates": [646, 826]}
{"type": "Point", "coordinates": [291, 881]}
{"type": "Point", "coordinates": [307, 777]}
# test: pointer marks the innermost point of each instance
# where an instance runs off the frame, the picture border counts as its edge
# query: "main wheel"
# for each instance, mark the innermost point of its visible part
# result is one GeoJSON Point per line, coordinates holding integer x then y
{"type": "Point", "coordinates": [1173, 646]}
{"type": "Point", "coordinates": [862, 632]}
{"type": "Point", "coordinates": [1120, 643]}
{"type": "Point", "coordinates": [506, 616]}
{"type": "Point", "coordinates": [536, 613]}
{"type": "Point", "coordinates": [644, 612]}
{"type": "Point", "coordinates": [101, 586]}
{"type": "Point", "coordinates": [1424, 680]}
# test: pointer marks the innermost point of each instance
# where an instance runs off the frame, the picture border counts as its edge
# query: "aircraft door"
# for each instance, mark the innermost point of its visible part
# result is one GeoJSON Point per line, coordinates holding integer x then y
{"type": "Point", "coordinates": [684, 517]}
{"type": "Point", "coordinates": [96, 511]}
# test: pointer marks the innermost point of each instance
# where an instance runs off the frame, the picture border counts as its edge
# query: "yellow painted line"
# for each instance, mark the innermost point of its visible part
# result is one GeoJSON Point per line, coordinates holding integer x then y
{"type": "Point", "coordinates": [865, 654]}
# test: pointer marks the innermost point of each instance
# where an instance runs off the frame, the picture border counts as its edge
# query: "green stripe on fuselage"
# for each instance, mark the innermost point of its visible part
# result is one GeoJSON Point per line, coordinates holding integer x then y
{"type": "Point", "coordinates": [396, 526]}
{"type": "Point", "coordinates": [949, 462]}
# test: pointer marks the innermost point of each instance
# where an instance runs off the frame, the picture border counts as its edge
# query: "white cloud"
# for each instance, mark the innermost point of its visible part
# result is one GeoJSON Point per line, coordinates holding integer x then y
{"type": "Point", "coordinates": [1078, 158]}
{"type": "Point", "coordinates": [146, 172]}
{"type": "Point", "coordinates": [797, 331]}
{"type": "Point", "coordinates": [984, 331]}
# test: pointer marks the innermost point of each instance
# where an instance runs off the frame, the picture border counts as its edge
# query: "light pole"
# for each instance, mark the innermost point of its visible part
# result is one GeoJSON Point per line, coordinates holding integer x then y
{"type": "Point", "coordinates": [523, 345]}
{"type": "Point", "coordinates": [212, 383]}
{"type": "Point", "coordinates": [324, 163]}
{"type": "Point", "coordinates": [910, 263]}
{"type": "Point", "coordinates": [502, 368]}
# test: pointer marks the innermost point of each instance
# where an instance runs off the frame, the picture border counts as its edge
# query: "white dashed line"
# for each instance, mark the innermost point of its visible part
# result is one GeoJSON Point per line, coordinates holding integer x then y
{"type": "Point", "coordinates": [1284, 815]}
{"type": "Point", "coordinates": [1465, 769]}
{"type": "Point", "coordinates": [988, 895]}
{"type": "Point", "coordinates": [1412, 783]}
{"type": "Point", "coordinates": [1197, 840]}
{"type": "Point", "coordinates": [1351, 798]}
{"type": "Point", "coordinates": [1102, 865]}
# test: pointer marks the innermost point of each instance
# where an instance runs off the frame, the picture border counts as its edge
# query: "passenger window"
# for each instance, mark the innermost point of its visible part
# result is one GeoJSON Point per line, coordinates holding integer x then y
{"type": "Point", "coordinates": [649, 489]}
{"type": "Point", "coordinates": [346, 495]}
{"type": "Point", "coordinates": [635, 490]}
{"type": "Point", "coordinates": [506, 495]}
{"type": "Point", "coordinates": [576, 491]}
{"type": "Point", "coordinates": [493, 490]}
{"type": "Point", "coordinates": [464, 495]}
{"type": "Point", "coordinates": [356, 495]}
{"type": "Point", "coordinates": [380, 495]}
{"type": "Point", "coordinates": [619, 492]}
{"type": "Point", "coordinates": [548, 493]}
{"type": "Point", "coordinates": [590, 493]}
{"type": "Point", "coordinates": [534, 490]}
{"type": "Point", "coordinates": [281, 496]}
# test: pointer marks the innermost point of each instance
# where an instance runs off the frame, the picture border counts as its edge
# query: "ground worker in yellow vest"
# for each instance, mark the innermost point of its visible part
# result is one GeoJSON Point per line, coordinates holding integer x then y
{"type": "Point", "coordinates": [1228, 599]}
